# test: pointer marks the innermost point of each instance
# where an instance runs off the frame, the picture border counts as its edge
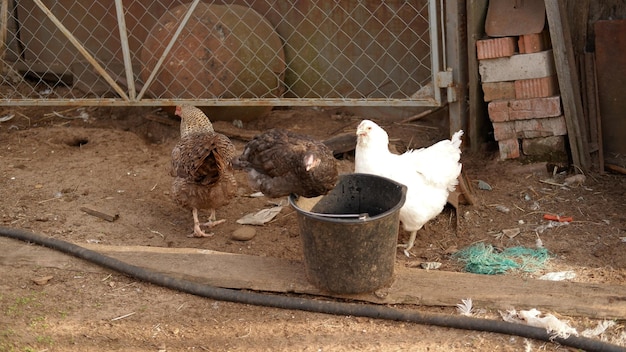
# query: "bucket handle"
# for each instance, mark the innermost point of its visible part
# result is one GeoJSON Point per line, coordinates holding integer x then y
{"type": "Point", "coordinates": [361, 216]}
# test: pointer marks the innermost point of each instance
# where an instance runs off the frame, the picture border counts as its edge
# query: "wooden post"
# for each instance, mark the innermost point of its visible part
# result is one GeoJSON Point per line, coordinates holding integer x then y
{"type": "Point", "coordinates": [568, 82]}
{"type": "Point", "coordinates": [456, 49]}
{"type": "Point", "coordinates": [478, 121]}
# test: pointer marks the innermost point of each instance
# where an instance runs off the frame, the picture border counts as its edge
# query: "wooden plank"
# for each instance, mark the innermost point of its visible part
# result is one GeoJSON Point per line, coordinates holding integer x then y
{"type": "Point", "coordinates": [610, 43]}
{"type": "Point", "coordinates": [593, 111]}
{"type": "Point", "coordinates": [410, 285]}
{"type": "Point", "coordinates": [598, 116]}
{"type": "Point", "coordinates": [568, 81]}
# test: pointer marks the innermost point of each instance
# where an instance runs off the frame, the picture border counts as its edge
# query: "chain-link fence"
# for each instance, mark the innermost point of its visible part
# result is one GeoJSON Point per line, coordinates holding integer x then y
{"type": "Point", "coordinates": [246, 52]}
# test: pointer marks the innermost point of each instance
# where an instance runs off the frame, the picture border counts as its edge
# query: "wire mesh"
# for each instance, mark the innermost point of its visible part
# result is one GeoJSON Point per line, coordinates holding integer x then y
{"type": "Point", "coordinates": [247, 52]}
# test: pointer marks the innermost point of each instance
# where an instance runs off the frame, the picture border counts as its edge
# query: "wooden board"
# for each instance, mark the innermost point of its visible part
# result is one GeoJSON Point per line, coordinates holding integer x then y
{"type": "Point", "coordinates": [611, 71]}
{"type": "Point", "coordinates": [410, 285]}
{"type": "Point", "coordinates": [568, 82]}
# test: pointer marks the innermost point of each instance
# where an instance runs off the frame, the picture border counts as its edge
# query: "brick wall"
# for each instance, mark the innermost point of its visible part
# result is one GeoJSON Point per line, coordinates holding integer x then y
{"type": "Point", "coordinates": [521, 88]}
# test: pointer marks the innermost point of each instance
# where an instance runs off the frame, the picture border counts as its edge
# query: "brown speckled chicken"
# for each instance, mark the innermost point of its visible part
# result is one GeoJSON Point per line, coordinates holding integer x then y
{"type": "Point", "coordinates": [202, 167]}
{"type": "Point", "coordinates": [280, 162]}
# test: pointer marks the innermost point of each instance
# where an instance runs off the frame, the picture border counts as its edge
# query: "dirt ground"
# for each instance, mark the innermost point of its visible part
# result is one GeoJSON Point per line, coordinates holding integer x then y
{"type": "Point", "coordinates": [55, 160]}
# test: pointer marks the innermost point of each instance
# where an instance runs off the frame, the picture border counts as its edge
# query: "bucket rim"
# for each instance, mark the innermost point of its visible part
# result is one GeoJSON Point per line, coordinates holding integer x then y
{"type": "Point", "coordinates": [294, 197]}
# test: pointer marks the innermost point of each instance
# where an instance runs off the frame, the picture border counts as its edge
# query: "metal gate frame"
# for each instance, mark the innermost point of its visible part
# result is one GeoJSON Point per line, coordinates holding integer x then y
{"type": "Point", "coordinates": [425, 97]}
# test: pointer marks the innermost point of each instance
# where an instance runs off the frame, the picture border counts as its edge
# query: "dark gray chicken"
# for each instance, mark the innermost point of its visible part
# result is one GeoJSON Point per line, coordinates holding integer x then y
{"type": "Point", "coordinates": [280, 162]}
{"type": "Point", "coordinates": [202, 167]}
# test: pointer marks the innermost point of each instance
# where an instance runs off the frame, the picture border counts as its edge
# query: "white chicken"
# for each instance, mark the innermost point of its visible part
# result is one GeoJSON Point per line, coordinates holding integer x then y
{"type": "Point", "coordinates": [430, 174]}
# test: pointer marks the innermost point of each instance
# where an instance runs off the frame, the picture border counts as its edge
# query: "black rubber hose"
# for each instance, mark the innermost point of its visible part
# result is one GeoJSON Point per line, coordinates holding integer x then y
{"type": "Point", "coordinates": [296, 303]}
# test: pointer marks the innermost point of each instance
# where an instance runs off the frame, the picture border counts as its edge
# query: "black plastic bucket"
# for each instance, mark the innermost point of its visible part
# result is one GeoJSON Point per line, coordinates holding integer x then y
{"type": "Point", "coordinates": [350, 235]}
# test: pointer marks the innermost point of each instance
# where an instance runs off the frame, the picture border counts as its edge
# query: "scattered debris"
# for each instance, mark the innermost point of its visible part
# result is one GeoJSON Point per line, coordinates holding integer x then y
{"type": "Point", "coordinates": [101, 215]}
{"type": "Point", "coordinates": [484, 185]}
{"type": "Point", "coordinates": [465, 308]}
{"type": "Point", "coordinates": [244, 233]}
{"type": "Point", "coordinates": [538, 241]}
{"type": "Point", "coordinates": [549, 225]}
{"type": "Point", "coordinates": [123, 316]}
{"type": "Point", "coordinates": [558, 276]}
{"type": "Point", "coordinates": [534, 206]}
{"type": "Point", "coordinates": [558, 218]}
{"type": "Point", "coordinates": [576, 180]}
{"type": "Point", "coordinates": [261, 217]}
{"type": "Point", "coordinates": [510, 233]}
{"type": "Point", "coordinates": [430, 265]}
{"type": "Point", "coordinates": [6, 118]}
{"type": "Point", "coordinates": [552, 324]}
{"type": "Point", "coordinates": [502, 208]}
{"type": "Point", "coordinates": [598, 330]}
{"type": "Point", "coordinates": [553, 183]}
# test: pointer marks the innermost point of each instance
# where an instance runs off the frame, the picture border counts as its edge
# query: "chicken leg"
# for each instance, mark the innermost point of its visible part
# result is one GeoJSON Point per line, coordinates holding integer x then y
{"type": "Point", "coordinates": [213, 220]}
{"type": "Point", "coordinates": [197, 230]}
{"type": "Point", "coordinates": [407, 246]}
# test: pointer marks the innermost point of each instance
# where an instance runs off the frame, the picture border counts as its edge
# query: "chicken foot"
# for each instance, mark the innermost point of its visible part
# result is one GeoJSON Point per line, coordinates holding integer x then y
{"type": "Point", "coordinates": [426, 233]}
{"type": "Point", "coordinates": [212, 220]}
{"type": "Point", "coordinates": [407, 246]}
{"type": "Point", "coordinates": [197, 230]}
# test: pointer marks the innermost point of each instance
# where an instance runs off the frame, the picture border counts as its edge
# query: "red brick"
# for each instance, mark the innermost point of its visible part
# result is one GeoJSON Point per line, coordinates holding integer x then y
{"type": "Point", "coordinates": [504, 130]}
{"type": "Point", "coordinates": [495, 47]}
{"type": "Point", "coordinates": [536, 87]}
{"type": "Point", "coordinates": [509, 149]}
{"type": "Point", "coordinates": [499, 90]}
{"type": "Point", "coordinates": [533, 43]}
{"type": "Point", "coordinates": [533, 128]}
{"type": "Point", "coordinates": [521, 109]}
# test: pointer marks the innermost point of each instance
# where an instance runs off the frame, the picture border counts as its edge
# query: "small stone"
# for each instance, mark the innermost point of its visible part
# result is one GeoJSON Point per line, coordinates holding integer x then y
{"type": "Point", "coordinates": [484, 185]}
{"type": "Point", "coordinates": [502, 209]}
{"type": "Point", "coordinates": [382, 293]}
{"type": "Point", "coordinates": [244, 233]}
{"type": "Point", "coordinates": [42, 280]}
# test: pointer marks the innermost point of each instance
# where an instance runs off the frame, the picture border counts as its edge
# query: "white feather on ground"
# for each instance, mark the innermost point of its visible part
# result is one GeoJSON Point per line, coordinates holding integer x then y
{"type": "Point", "coordinates": [430, 174]}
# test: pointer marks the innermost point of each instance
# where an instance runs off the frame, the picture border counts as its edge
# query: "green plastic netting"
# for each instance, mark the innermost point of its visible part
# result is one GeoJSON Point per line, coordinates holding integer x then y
{"type": "Point", "coordinates": [484, 259]}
